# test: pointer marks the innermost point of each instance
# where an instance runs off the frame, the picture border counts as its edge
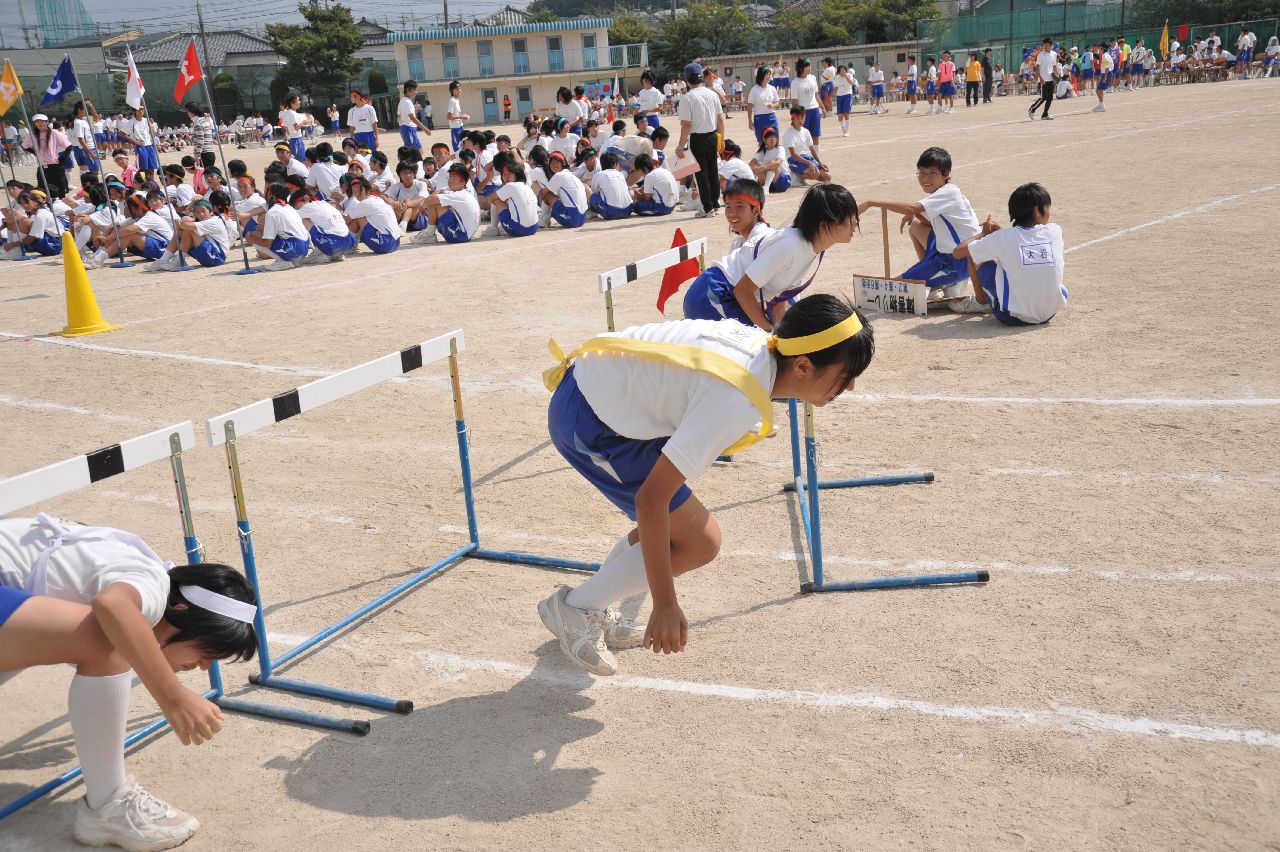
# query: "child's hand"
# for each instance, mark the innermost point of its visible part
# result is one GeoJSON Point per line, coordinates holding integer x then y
{"type": "Point", "coordinates": [864, 207]}
{"type": "Point", "coordinates": [194, 719]}
{"type": "Point", "coordinates": [906, 220]}
{"type": "Point", "coordinates": [668, 631]}
{"type": "Point", "coordinates": [990, 226]}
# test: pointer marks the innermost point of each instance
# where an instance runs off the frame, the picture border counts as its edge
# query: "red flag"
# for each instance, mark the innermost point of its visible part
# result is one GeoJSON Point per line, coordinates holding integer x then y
{"type": "Point", "coordinates": [676, 275]}
{"type": "Point", "coordinates": [188, 73]}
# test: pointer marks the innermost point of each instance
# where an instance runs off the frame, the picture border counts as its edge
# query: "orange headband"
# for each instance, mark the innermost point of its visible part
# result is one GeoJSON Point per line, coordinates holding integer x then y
{"type": "Point", "coordinates": [742, 196]}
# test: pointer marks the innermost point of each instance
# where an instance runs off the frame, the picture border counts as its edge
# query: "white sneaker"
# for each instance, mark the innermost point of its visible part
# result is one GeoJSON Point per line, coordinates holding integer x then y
{"type": "Point", "coordinates": [1100, 108]}
{"type": "Point", "coordinates": [279, 266]}
{"type": "Point", "coordinates": [135, 820]}
{"type": "Point", "coordinates": [704, 214]}
{"type": "Point", "coordinates": [314, 258]}
{"type": "Point", "coordinates": [622, 633]}
{"type": "Point", "coordinates": [691, 203]}
{"type": "Point", "coordinates": [427, 236]}
{"type": "Point", "coordinates": [580, 631]}
{"type": "Point", "coordinates": [90, 262]}
{"type": "Point", "coordinates": [544, 219]}
{"type": "Point", "coordinates": [968, 305]}
{"type": "Point", "coordinates": [12, 254]}
{"type": "Point", "coordinates": [494, 230]}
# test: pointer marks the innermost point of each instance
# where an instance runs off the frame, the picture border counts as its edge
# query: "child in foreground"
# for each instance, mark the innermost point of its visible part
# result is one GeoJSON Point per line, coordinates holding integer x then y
{"type": "Point", "coordinates": [642, 412]}
{"type": "Point", "coordinates": [101, 600]}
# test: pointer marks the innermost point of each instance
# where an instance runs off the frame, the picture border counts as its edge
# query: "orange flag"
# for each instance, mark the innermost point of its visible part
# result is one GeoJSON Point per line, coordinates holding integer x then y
{"type": "Point", "coordinates": [189, 72]}
{"type": "Point", "coordinates": [676, 275]}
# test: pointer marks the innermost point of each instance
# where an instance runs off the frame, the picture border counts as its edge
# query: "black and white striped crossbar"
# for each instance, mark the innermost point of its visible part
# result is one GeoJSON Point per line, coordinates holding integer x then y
{"type": "Point", "coordinates": [29, 489]}
{"type": "Point", "coordinates": [263, 413]}
{"type": "Point", "coordinates": [615, 278]}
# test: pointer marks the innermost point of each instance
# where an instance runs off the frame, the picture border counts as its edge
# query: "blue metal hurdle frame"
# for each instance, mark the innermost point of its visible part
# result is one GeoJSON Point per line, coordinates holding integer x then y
{"type": "Point", "coordinates": [223, 429]}
{"type": "Point", "coordinates": [74, 473]}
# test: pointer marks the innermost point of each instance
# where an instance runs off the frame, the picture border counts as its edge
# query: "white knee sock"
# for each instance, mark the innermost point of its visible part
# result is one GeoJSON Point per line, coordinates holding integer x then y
{"type": "Point", "coordinates": [99, 707]}
{"type": "Point", "coordinates": [621, 576]}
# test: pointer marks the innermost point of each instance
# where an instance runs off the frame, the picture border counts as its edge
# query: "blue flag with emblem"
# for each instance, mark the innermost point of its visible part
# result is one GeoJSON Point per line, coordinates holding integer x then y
{"type": "Point", "coordinates": [63, 81]}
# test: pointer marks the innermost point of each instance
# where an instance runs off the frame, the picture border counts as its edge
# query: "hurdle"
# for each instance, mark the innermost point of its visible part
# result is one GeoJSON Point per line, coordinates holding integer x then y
{"type": "Point", "coordinates": [615, 279]}
{"type": "Point", "coordinates": [228, 429]}
{"type": "Point", "coordinates": [81, 471]}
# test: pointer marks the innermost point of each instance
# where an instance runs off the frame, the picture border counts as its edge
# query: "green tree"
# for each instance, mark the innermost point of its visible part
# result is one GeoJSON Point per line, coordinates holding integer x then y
{"type": "Point", "coordinates": [1154, 12]}
{"type": "Point", "coordinates": [278, 89]}
{"type": "Point", "coordinates": [377, 82]}
{"type": "Point", "coordinates": [320, 56]}
{"type": "Point", "coordinates": [708, 28]}
{"type": "Point", "coordinates": [565, 8]}
{"type": "Point", "coordinates": [628, 28]}
{"type": "Point", "coordinates": [835, 22]}
{"type": "Point", "coordinates": [542, 16]}
{"type": "Point", "coordinates": [226, 94]}
{"type": "Point", "coordinates": [119, 83]}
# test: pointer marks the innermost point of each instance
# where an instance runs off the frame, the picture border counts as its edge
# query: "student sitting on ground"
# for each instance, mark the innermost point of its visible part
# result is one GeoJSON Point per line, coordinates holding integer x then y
{"type": "Point", "coordinates": [610, 195]}
{"type": "Point", "coordinates": [565, 198]}
{"type": "Point", "coordinates": [369, 217]}
{"type": "Point", "coordinates": [938, 223]}
{"type": "Point", "coordinates": [406, 197]}
{"type": "Point", "coordinates": [455, 213]}
{"type": "Point", "coordinates": [1017, 271]}
{"type": "Point", "coordinates": [148, 234]}
{"type": "Point", "coordinates": [206, 235]}
{"type": "Point", "coordinates": [770, 165]}
{"type": "Point", "coordinates": [658, 191]}
{"type": "Point", "coordinates": [284, 237]}
{"type": "Point", "coordinates": [802, 156]}
{"type": "Point", "coordinates": [514, 206]}
{"type": "Point", "coordinates": [329, 233]}
{"type": "Point", "coordinates": [36, 231]}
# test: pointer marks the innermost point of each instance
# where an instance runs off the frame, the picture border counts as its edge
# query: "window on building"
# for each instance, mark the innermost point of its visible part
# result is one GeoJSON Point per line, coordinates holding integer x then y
{"type": "Point", "coordinates": [417, 70]}
{"type": "Point", "coordinates": [450, 60]}
{"type": "Point", "coordinates": [589, 51]}
{"type": "Point", "coordinates": [520, 52]}
{"type": "Point", "coordinates": [555, 54]}
{"type": "Point", "coordinates": [484, 52]}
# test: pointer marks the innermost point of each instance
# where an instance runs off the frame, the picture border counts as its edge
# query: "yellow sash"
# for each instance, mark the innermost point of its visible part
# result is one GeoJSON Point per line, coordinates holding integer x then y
{"type": "Point", "coordinates": [677, 355]}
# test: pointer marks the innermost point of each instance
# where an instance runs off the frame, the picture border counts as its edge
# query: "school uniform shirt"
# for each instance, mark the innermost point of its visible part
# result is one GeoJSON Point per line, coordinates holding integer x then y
{"type": "Point", "coordinates": [700, 107]}
{"type": "Point", "coordinates": [701, 414]}
{"type": "Point", "coordinates": [289, 118]}
{"type": "Point", "coordinates": [251, 205]}
{"type": "Point", "coordinates": [155, 224]}
{"type": "Point", "coordinates": [801, 141]}
{"type": "Point", "coordinates": [399, 192]}
{"type": "Point", "coordinates": [829, 74]}
{"type": "Point", "coordinates": [1031, 260]}
{"type": "Point", "coordinates": [569, 112]}
{"type": "Point", "coordinates": [324, 217]}
{"type": "Point", "coordinates": [761, 99]}
{"type": "Point", "coordinates": [180, 195]}
{"type": "Point", "coordinates": [463, 202]}
{"type": "Point", "coordinates": [768, 155]}
{"type": "Point", "coordinates": [521, 202]}
{"type": "Point", "coordinates": [844, 84]}
{"type": "Point", "coordinates": [913, 72]}
{"type": "Point", "coordinates": [804, 91]}
{"type": "Point", "coordinates": [405, 112]}
{"type": "Point", "coordinates": [612, 184]}
{"type": "Point", "coordinates": [566, 145]}
{"type": "Point", "coordinates": [734, 168]}
{"type": "Point", "coordinates": [361, 119]}
{"type": "Point", "coordinates": [1045, 62]}
{"type": "Point", "coordinates": [949, 203]}
{"type": "Point", "coordinates": [875, 76]}
{"type": "Point", "coordinates": [41, 223]}
{"type": "Point", "coordinates": [81, 132]}
{"type": "Point", "coordinates": [296, 167]}
{"type": "Point", "coordinates": [585, 174]}
{"type": "Point", "coordinates": [780, 261]}
{"type": "Point", "coordinates": [528, 143]}
{"type": "Point", "coordinates": [455, 108]}
{"type": "Point", "coordinates": [440, 180]}
{"type": "Point", "coordinates": [283, 221]}
{"type": "Point", "coordinates": [650, 100]}
{"type": "Point", "coordinates": [568, 189]}
{"type": "Point", "coordinates": [216, 228]}
{"type": "Point", "coordinates": [758, 232]}
{"type": "Point", "coordinates": [375, 212]}
{"type": "Point", "coordinates": [325, 177]}
{"type": "Point", "coordinates": [80, 571]}
{"type": "Point", "coordinates": [141, 130]}
{"type": "Point", "coordinates": [663, 186]}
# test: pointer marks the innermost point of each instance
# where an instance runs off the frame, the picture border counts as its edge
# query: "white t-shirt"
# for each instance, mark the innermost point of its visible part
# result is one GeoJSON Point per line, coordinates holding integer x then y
{"type": "Point", "coordinates": [283, 221]}
{"type": "Point", "coordinates": [781, 261]}
{"type": "Point", "coordinates": [42, 223]}
{"type": "Point", "coordinates": [325, 177]}
{"type": "Point", "coordinates": [586, 174]}
{"type": "Point", "coordinates": [464, 203]}
{"type": "Point", "coordinates": [296, 167]}
{"type": "Point", "coordinates": [650, 100]}
{"type": "Point", "coordinates": [762, 99]}
{"type": "Point", "coordinates": [701, 414]}
{"type": "Point", "coordinates": [152, 223]}
{"type": "Point", "coordinates": [399, 192]}
{"type": "Point", "coordinates": [734, 168]}
{"type": "Point", "coordinates": [801, 140]}
{"type": "Point", "coordinates": [405, 112]}
{"type": "Point", "coordinates": [80, 571]}
{"type": "Point", "coordinates": [933, 74]}
{"type": "Point", "coordinates": [375, 212]}
{"type": "Point", "coordinates": [828, 74]}
{"type": "Point", "coordinates": [948, 203]}
{"type": "Point", "coordinates": [875, 76]}
{"type": "Point", "coordinates": [569, 111]}
{"type": "Point", "coordinates": [455, 108]}
{"type": "Point", "coordinates": [844, 84]}
{"type": "Point", "coordinates": [216, 228]}
{"type": "Point", "coordinates": [81, 132]}
{"type": "Point", "coordinates": [140, 129]}
{"type": "Point", "coordinates": [612, 184]}
{"type": "Point", "coordinates": [566, 145]}
{"type": "Point", "coordinates": [1029, 265]}
{"type": "Point", "coordinates": [250, 206]}
{"type": "Point", "coordinates": [700, 107]}
{"type": "Point", "coordinates": [289, 118]}
{"type": "Point", "coordinates": [913, 72]}
{"type": "Point", "coordinates": [759, 231]}
{"type": "Point", "coordinates": [768, 155]}
{"type": "Point", "coordinates": [741, 253]}
{"type": "Point", "coordinates": [324, 217]}
{"type": "Point", "coordinates": [569, 189]}
{"type": "Point", "coordinates": [180, 195]}
{"type": "Point", "coordinates": [804, 91]}
{"type": "Point", "coordinates": [361, 119]}
{"type": "Point", "coordinates": [1046, 62]}
{"type": "Point", "coordinates": [439, 182]}
{"type": "Point", "coordinates": [663, 186]}
{"type": "Point", "coordinates": [521, 201]}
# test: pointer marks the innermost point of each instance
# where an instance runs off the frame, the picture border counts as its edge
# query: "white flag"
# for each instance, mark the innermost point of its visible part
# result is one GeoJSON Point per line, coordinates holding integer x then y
{"type": "Point", "coordinates": [615, 85]}
{"type": "Point", "coordinates": [134, 90]}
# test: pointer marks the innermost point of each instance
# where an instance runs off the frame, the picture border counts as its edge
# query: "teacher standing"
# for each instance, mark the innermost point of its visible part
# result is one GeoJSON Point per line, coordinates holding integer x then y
{"type": "Point", "coordinates": [701, 122]}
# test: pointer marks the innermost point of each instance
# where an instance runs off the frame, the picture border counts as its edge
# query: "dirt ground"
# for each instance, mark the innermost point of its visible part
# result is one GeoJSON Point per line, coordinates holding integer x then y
{"type": "Point", "coordinates": [1113, 687]}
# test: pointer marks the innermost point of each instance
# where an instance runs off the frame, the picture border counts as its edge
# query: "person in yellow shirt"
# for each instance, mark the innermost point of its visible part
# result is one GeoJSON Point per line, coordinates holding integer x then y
{"type": "Point", "coordinates": [972, 80]}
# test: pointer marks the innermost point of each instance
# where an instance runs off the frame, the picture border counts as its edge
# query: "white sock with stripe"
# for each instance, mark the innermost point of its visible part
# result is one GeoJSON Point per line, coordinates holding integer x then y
{"type": "Point", "coordinates": [98, 708]}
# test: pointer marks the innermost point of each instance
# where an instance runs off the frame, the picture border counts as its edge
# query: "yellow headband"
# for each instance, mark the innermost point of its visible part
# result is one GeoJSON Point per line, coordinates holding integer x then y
{"type": "Point", "coordinates": [838, 333]}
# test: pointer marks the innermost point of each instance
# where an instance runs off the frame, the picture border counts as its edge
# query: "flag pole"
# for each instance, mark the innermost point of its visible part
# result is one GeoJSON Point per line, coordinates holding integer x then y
{"type": "Point", "coordinates": [146, 116]}
{"type": "Point", "coordinates": [121, 262]}
{"type": "Point", "coordinates": [217, 139]}
{"type": "Point", "coordinates": [40, 175]}
{"type": "Point", "coordinates": [13, 207]}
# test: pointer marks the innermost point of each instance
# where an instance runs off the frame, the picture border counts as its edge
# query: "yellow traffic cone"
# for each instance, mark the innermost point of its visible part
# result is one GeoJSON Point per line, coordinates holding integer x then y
{"type": "Point", "coordinates": [83, 316]}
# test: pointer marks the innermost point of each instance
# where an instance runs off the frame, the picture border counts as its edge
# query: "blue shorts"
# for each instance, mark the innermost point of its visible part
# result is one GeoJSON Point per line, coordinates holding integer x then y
{"type": "Point", "coordinates": [331, 245]}
{"type": "Point", "coordinates": [209, 253]}
{"type": "Point", "coordinates": [409, 136]}
{"type": "Point", "coordinates": [877, 91]}
{"type": "Point", "coordinates": [912, 87]}
{"type": "Point", "coordinates": [764, 122]}
{"type": "Point", "coordinates": [368, 139]}
{"type": "Point", "coordinates": [828, 88]}
{"type": "Point", "coordinates": [83, 159]}
{"type": "Point", "coordinates": [50, 244]}
{"type": "Point", "coordinates": [937, 269]}
{"type": "Point", "coordinates": [513, 227]}
{"type": "Point", "coordinates": [489, 189]}
{"type": "Point", "coordinates": [249, 227]}
{"type": "Point", "coordinates": [11, 599]}
{"type": "Point", "coordinates": [1104, 81]}
{"type": "Point", "coordinates": [931, 88]}
{"type": "Point", "coordinates": [298, 149]}
{"type": "Point", "coordinates": [987, 278]}
{"type": "Point", "coordinates": [148, 159]}
{"type": "Point", "coordinates": [1245, 56]}
{"type": "Point", "coordinates": [596, 202]}
{"type": "Point", "coordinates": [710, 296]}
{"type": "Point", "coordinates": [290, 248]}
{"type": "Point", "coordinates": [569, 217]}
{"type": "Point", "coordinates": [153, 248]}
{"type": "Point", "coordinates": [946, 89]}
{"type": "Point", "coordinates": [781, 183]}
{"type": "Point", "coordinates": [650, 208]}
{"type": "Point", "coordinates": [450, 227]}
{"type": "Point", "coordinates": [813, 122]}
{"type": "Point", "coordinates": [653, 121]}
{"type": "Point", "coordinates": [615, 465]}
{"type": "Point", "coordinates": [379, 242]}
{"type": "Point", "coordinates": [1086, 73]}
{"type": "Point", "coordinates": [801, 166]}
{"type": "Point", "coordinates": [100, 138]}
{"type": "Point", "coordinates": [782, 82]}
{"type": "Point", "coordinates": [455, 136]}
{"type": "Point", "coordinates": [844, 104]}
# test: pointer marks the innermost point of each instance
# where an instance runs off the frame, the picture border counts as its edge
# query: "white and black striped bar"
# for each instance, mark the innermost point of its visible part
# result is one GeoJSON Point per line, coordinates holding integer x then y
{"type": "Point", "coordinates": [615, 278]}
{"type": "Point", "coordinates": [257, 415]}
{"type": "Point", "coordinates": [29, 489]}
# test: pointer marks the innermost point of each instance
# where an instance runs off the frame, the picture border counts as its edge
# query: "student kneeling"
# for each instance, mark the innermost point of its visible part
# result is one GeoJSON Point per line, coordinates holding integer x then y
{"type": "Point", "coordinates": [1017, 272]}
{"type": "Point", "coordinates": [658, 193]}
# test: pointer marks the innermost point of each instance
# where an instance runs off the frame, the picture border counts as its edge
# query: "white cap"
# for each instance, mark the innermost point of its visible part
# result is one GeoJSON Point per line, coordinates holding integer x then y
{"type": "Point", "coordinates": [40, 117]}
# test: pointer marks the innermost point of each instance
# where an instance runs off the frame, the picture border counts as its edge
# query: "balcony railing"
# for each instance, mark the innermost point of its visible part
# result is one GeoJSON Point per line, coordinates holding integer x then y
{"type": "Point", "coordinates": [476, 66]}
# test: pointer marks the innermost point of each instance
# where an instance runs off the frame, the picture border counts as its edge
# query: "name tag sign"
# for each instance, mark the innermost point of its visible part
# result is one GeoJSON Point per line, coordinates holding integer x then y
{"type": "Point", "coordinates": [891, 295]}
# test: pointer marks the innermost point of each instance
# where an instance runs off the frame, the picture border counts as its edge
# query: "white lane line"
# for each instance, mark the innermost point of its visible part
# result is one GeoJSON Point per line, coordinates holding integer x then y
{"type": "Point", "coordinates": [1129, 476]}
{"type": "Point", "coordinates": [1155, 402]}
{"type": "Point", "coordinates": [1061, 718]}
{"type": "Point", "coordinates": [45, 405]}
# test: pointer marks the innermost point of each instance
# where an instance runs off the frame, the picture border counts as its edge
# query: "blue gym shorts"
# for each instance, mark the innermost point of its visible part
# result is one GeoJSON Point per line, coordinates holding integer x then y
{"type": "Point", "coordinates": [912, 87]}
{"type": "Point", "coordinates": [781, 183]}
{"type": "Point", "coordinates": [813, 122]}
{"type": "Point", "coordinates": [46, 246]}
{"type": "Point", "coordinates": [877, 91]}
{"type": "Point", "coordinates": [596, 202]}
{"type": "Point", "coordinates": [379, 242]}
{"type": "Point", "coordinates": [153, 248]}
{"type": "Point", "coordinates": [450, 227]}
{"type": "Point", "coordinates": [455, 136]}
{"type": "Point", "coordinates": [844, 104]}
{"type": "Point", "coordinates": [514, 228]}
{"type": "Point", "coordinates": [331, 245]}
{"type": "Point", "coordinates": [987, 278]}
{"type": "Point", "coordinates": [652, 121]}
{"type": "Point", "coordinates": [937, 269]}
{"type": "Point", "coordinates": [569, 217]}
{"type": "Point", "coordinates": [711, 297]}
{"type": "Point", "coordinates": [801, 165]}
{"type": "Point", "coordinates": [209, 253]}
{"type": "Point", "coordinates": [763, 122]}
{"type": "Point", "coordinates": [650, 208]}
{"type": "Point", "coordinates": [148, 159]}
{"type": "Point", "coordinates": [409, 136]}
{"type": "Point", "coordinates": [11, 599]}
{"type": "Point", "coordinates": [615, 465]}
{"type": "Point", "coordinates": [289, 248]}
{"type": "Point", "coordinates": [298, 149]}
{"type": "Point", "coordinates": [367, 139]}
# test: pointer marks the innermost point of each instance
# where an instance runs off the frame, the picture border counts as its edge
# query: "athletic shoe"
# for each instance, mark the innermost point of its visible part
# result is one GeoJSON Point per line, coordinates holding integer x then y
{"type": "Point", "coordinates": [168, 263]}
{"type": "Point", "coordinates": [494, 230]}
{"type": "Point", "coordinates": [337, 258]}
{"type": "Point", "coordinates": [91, 262]}
{"type": "Point", "coordinates": [279, 265]}
{"type": "Point", "coordinates": [801, 181]}
{"type": "Point", "coordinates": [1100, 108]}
{"type": "Point", "coordinates": [622, 633]}
{"type": "Point", "coordinates": [427, 236]}
{"type": "Point", "coordinates": [691, 203]}
{"type": "Point", "coordinates": [1046, 118]}
{"type": "Point", "coordinates": [135, 820]}
{"type": "Point", "coordinates": [12, 254]}
{"type": "Point", "coordinates": [580, 631]}
{"type": "Point", "coordinates": [704, 214]}
{"type": "Point", "coordinates": [591, 215]}
{"type": "Point", "coordinates": [968, 305]}
{"type": "Point", "coordinates": [314, 258]}
{"type": "Point", "coordinates": [544, 219]}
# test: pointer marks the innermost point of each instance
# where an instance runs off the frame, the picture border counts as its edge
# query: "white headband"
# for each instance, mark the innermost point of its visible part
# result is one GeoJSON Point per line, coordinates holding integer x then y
{"type": "Point", "coordinates": [221, 604]}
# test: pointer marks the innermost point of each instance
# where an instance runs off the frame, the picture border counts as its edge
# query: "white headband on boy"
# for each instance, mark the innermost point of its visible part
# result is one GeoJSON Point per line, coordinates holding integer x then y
{"type": "Point", "coordinates": [221, 604]}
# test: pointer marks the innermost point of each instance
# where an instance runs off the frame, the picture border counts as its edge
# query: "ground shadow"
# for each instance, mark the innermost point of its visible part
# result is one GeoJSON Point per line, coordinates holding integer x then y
{"type": "Point", "coordinates": [968, 327]}
{"type": "Point", "coordinates": [489, 757]}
